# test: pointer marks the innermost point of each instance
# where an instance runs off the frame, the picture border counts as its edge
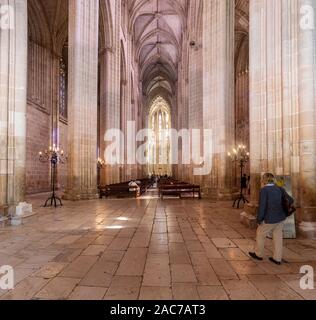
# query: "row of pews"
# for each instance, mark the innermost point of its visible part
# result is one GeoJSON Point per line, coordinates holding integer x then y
{"type": "Point", "coordinates": [172, 187]}
{"type": "Point", "coordinates": [124, 190]}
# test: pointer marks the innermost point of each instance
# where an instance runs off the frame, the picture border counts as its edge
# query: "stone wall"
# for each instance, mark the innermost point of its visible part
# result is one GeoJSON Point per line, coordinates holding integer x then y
{"type": "Point", "coordinates": [39, 117]}
{"type": "Point", "coordinates": [37, 138]}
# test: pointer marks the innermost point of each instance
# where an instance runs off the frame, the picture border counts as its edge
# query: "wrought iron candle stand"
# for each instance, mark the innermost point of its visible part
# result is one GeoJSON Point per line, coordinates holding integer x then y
{"type": "Point", "coordinates": [54, 156]}
{"type": "Point", "coordinates": [240, 156]}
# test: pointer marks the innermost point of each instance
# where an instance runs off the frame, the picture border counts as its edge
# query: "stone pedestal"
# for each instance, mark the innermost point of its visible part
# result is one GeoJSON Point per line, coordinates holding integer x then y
{"type": "Point", "coordinates": [22, 211]}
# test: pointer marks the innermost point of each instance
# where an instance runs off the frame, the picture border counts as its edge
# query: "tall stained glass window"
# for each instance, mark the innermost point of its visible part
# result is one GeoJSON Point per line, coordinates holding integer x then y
{"type": "Point", "coordinates": [63, 110]}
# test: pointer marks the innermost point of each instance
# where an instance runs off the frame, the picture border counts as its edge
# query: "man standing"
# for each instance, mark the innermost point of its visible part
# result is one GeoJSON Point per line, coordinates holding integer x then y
{"type": "Point", "coordinates": [244, 183]}
{"type": "Point", "coordinates": [271, 217]}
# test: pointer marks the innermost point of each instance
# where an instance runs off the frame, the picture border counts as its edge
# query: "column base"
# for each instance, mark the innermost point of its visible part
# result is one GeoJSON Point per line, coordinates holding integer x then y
{"type": "Point", "coordinates": [307, 214]}
{"type": "Point", "coordinates": [78, 195]}
{"type": "Point", "coordinates": [307, 222]}
{"type": "Point", "coordinates": [4, 216]}
{"type": "Point", "coordinates": [307, 230]}
{"type": "Point", "coordinates": [17, 214]}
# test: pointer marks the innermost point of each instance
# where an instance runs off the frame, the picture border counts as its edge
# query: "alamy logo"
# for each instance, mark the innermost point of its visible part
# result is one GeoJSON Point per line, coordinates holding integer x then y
{"type": "Point", "coordinates": [307, 21]}
{"type": "Point", "coordinates": [6, 278]}
{"type": "Point", "coordinates": [6, 17]}
{"type": "Point", "coordinates": [196, 147]}
{"type": "Point", "coordinates": [307, 281]}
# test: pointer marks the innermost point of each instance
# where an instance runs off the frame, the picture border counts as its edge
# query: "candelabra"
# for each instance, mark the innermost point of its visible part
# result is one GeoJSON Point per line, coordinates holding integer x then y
{"type": "Point", "coordinates": [54, 156]}
{"type": "Point", "coordinates": [100, 165]}
{"type": "Point", "coordinates": [240, 156]}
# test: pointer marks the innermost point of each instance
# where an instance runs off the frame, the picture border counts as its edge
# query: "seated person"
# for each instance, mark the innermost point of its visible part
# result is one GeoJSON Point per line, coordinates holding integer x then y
{"type": "Point", "coordinates": [134, 186]}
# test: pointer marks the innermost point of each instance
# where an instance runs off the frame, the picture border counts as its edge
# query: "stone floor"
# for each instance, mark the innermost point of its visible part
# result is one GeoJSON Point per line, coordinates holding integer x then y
{"type": "Point", "coordinates": [146, 249]}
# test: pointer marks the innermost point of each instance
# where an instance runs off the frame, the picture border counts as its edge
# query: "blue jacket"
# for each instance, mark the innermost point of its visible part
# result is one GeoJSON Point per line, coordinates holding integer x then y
{"type": "Point", "coordinates": [270, 205]}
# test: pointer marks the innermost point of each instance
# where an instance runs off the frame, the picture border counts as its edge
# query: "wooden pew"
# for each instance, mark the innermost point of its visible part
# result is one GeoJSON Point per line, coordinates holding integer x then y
{"type": "Point", "coordinates": [179, 190]}
{"type": "Point", "coordinates": [119, 190]}
{"type": "Point", "coordinates": [124, 190]}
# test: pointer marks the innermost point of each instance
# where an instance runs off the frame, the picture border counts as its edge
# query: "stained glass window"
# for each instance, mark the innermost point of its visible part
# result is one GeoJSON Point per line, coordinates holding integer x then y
{"type": "Point", "coordinates": [63, 89]}
{"type": "Point", "coordinates": [160, 148]}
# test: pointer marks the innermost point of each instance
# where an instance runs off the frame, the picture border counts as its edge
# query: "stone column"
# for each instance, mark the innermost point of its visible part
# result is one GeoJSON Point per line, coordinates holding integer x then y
{"type": "Point", "coordinates": [273, 91]}
{"type": "Point", "coordinates": [13, 80]}
{"type": "Point", "coordinates": [82, 99]}
{"type": "Point", "coordinates": [283, 99]}
{"type": "Point", "coordinates": [307, 115]}
{"type": "Point", "coordinates": [110, 107]}
{"type": "Point", "coordinates": [103, 109]}
{"type": "Point", "coordinates": [218, 91]}
{"type": "Point", "coordinates": [110, 96]}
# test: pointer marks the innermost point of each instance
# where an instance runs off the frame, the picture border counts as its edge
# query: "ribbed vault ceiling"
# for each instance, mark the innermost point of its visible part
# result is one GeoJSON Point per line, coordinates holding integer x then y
{"type": "Point", "coordinates": [242, 35]}
{"type": "Point", "coordinates": [242, 22]}
{"type": "Point", "coordinates": [158, 27]}
{"type": "Point", "coordinates": [48, 22]}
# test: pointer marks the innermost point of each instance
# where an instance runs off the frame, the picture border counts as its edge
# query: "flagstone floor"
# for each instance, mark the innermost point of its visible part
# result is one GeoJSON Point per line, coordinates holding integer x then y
{"type": "Point", "coordinates": [146, 249]}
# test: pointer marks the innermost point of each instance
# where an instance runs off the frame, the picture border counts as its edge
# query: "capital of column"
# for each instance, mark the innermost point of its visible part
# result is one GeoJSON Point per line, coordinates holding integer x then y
{"type": "Point", "coordinates": [105, 50]}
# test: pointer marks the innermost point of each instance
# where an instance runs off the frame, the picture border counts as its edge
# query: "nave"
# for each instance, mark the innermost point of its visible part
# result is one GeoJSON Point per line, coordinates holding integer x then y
{"type": "Point", "coordinates": [146, 249]}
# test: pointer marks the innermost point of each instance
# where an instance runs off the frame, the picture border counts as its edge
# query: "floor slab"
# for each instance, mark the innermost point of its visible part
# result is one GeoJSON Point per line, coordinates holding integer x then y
{"type": "Point", "coordinates": [146, 249]}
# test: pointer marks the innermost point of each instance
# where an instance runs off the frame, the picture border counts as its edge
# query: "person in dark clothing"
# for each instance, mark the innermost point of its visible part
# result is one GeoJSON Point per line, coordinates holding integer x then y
{"type": "Point", "coordinates": [248, 185]}
{"type": "Point", "coordinates": [271, 218]}
{"type": "Point", "coordinates": [244, 181]}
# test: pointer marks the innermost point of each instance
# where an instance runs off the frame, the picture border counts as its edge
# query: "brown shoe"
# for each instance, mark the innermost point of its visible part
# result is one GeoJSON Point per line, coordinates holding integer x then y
{"type": "Point", "coordinates": [254, 256]}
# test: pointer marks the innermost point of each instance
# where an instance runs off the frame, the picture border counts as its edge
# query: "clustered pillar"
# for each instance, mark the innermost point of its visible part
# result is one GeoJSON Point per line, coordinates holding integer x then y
{"type": "Point", "coordinates": [218, 91]}
{"type": "Point", "coordinates": [82, 99]}
{"type": "Point", "coordinates": [283, 99]}
{"type": "Point", "coordinates": [110, 97]}
{"type": "Point", "coordinates": [13, 82]}
{"type": "Point", "coordinates": [307, 115]}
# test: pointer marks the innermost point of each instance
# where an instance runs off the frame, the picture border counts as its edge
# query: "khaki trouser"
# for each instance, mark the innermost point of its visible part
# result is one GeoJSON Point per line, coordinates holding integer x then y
{"type": "Point", "coordinates": [262, 233]}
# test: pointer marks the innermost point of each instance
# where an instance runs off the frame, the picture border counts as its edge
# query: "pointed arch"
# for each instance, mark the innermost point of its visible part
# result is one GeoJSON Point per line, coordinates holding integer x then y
{"type": "Point", "coordinates": [105, 26]}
